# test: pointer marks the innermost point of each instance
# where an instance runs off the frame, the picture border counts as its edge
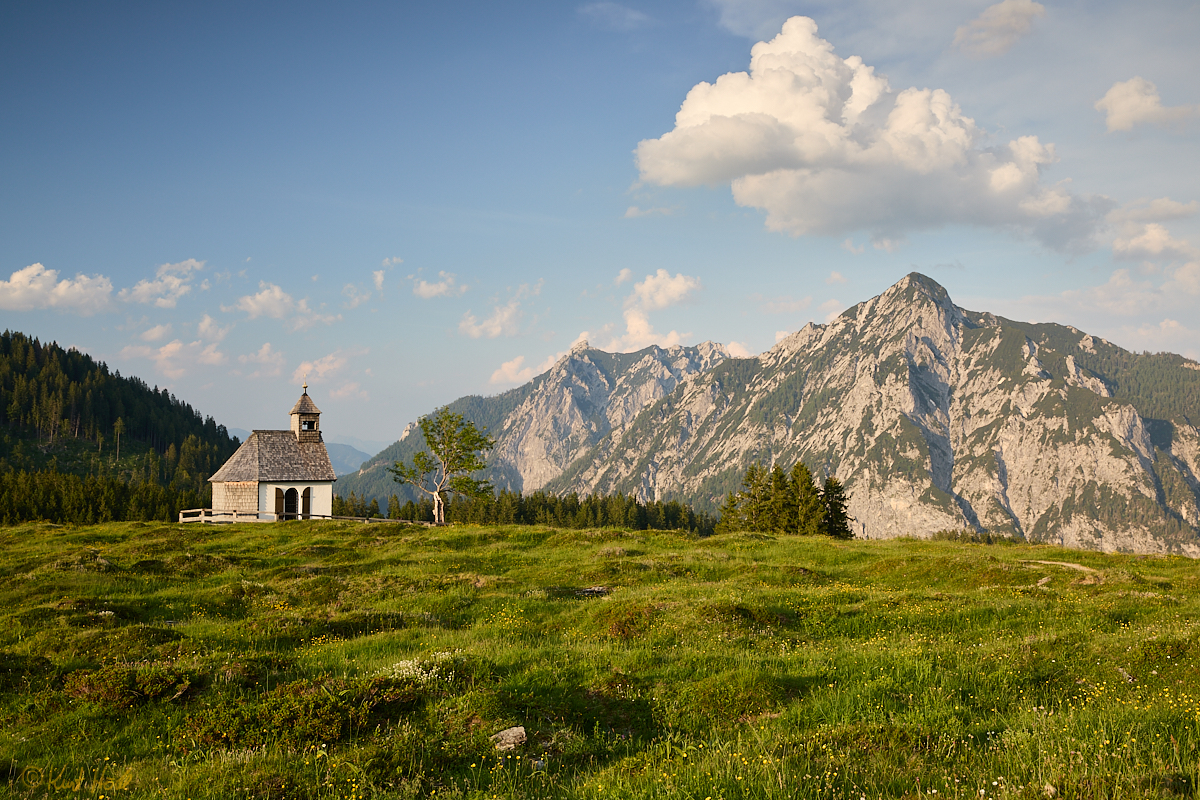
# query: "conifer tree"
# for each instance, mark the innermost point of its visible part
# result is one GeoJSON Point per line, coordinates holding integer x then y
{"type": "Point", "coordinates": [806, 500]}
{"type": "Point", "coordinates": [779, 516]}
{"type": "Point", "coordinates": [836, 521]}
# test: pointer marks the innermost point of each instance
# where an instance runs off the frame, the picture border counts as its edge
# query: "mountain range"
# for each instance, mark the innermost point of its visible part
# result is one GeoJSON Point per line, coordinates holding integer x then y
{"type": "Point", "coordinates": [934, 417]}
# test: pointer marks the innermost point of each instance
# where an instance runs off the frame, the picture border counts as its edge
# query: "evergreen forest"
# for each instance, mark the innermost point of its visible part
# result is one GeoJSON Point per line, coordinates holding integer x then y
{"type": "Point", "coordinates": [775, 501]}
{"type": "Point", "coordinates": [538, 508]}
{"type": "Point", "coordinates": [81, 444]}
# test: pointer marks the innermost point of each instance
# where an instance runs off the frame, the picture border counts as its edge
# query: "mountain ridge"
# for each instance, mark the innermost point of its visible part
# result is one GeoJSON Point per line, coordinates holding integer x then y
{"type": "Point", "coordinates": [934, 417]}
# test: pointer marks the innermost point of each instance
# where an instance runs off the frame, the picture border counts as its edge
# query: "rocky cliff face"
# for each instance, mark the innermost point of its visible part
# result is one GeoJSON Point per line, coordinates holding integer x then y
{"type": "Point", "coordinates": [555, 420]}
{"type": "Point", "coordinates": [935, 418]}
{"type": "Point", "coordinates": [585, 397]}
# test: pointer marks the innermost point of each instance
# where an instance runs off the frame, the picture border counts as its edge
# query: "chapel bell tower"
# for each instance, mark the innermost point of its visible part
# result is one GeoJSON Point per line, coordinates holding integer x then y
{"type": "Point", "coordinates": [306, 418]}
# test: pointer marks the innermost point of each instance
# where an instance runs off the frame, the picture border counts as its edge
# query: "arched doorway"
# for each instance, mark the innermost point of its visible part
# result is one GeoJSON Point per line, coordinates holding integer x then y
{"type": "Point", "coordinates": [291, 504]}
{"type": "Point", "coordinates": [306, 503]}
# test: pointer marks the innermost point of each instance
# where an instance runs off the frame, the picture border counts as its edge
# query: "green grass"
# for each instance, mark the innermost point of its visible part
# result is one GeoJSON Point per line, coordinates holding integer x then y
{"type": "Point", "coordinates": [323, 660]}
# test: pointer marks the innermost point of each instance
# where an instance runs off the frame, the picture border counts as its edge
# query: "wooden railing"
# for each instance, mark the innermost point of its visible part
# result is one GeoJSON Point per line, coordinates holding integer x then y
{"type": "Point", "coordinates": [219, 516]}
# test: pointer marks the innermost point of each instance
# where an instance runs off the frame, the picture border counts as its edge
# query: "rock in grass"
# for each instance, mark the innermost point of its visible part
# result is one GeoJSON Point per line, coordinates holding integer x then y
{"type": "Point", "coordinates": [509, 738]}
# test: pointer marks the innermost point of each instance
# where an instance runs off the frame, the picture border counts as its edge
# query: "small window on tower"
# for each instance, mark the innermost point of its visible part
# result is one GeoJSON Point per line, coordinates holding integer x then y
{"type": "Point", "coordinates": [308, 425]}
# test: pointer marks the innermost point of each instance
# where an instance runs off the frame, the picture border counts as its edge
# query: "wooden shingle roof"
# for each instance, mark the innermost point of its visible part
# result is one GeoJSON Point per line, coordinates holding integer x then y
{"type": "Point", "coordinates": [305, 405]}
{"type": "Point", "coordinates": [277, 456]}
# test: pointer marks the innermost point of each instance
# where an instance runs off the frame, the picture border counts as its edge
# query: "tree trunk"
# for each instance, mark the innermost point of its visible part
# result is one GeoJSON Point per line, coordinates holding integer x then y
{"type": "Point", "coordinates": [439, 509]}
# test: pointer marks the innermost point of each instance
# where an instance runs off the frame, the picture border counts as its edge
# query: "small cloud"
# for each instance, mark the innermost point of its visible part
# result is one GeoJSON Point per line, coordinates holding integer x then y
{"type": "Point", "coordinates": [887, 244]}
{"type": "Point", "coordinates": [391, 262]}
{"type": "Point", "coordinates": [624, 275]}
{"type": "Point", "coordinates": [355, 296]}
{"type": "Point", "coordinates": [849, 245]}
{"type": "Point", "coordinates": [156, 333]}
{"type": "Point", "coordinates": [270, 362]}
{"type": "Point", "coordinates": [633, 212]}
{"type": "Point", "coordinates": [658, 291]}
{"type": "Point", "coordinates": [36, 287]}
{"type": "Point", "coordinates": [503, 321]}
{"type": "Point", "coordinates": [1137, 101]}
{"type": "Point", "coordinates": [322, 368]}
{"type": "Point", "coordinates": [1159, 210]}
{"type": "Point", "coordinates": [1153, 242]}
{"type": "Point", "coordinates": [835, 277]}
{"type": "Point", "coordinates": [738, 350]}
{"type": "Point", "coordinates": [662, 290]}
{"type": "Point", "coordinates": [514, 372]}
{"type": "Point", "coordinates": [998, 28]}
{"type": "Point", "coordinates": [349, 390]}
{"type": "Point", "coordinates": [211, 355]}
{"type": "Point", "coordinates": [174, 358]}
{"type": "Point", "coordinates": [171, 282]}
{"type": "Point", "coordinates": [613, 16]}
{"type": "Point", "coordinates": [446, 287]}
{"type": "Point", "coordinates": [271, 301]}
{"type": "Point", "coordinates": [832, 309]}
{"type": "Point", "coordinates": [781, 335]}
{"type": "Point", "coordinates": [377, 275]}
{"type": "Point", "coordinates": [209, 329]}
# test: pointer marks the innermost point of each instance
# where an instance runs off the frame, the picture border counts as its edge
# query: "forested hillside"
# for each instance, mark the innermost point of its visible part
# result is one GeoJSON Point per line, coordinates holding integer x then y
{"type": "Point", "coordinates": [63, 414]}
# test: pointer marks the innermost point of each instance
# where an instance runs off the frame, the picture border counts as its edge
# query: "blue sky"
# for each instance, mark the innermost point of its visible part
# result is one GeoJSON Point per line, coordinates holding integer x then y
{"type": "Point", "coordinates": [411, 202]}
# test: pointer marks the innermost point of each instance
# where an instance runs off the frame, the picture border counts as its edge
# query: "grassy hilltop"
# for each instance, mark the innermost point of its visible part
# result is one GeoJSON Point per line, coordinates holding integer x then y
{"type": "Point", "coordinates": [323, 660]}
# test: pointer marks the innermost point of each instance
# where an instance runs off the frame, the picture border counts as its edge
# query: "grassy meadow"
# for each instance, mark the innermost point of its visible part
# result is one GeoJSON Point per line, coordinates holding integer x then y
{"type": "Point", "coordinates": [343, 660]}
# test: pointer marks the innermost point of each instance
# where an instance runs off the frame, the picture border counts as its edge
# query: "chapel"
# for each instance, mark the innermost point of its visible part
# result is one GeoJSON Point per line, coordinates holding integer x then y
{"type": "Point", "coordinates": [279, 474]}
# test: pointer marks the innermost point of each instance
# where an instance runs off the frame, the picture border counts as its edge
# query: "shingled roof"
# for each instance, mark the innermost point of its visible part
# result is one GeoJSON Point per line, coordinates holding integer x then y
{"type": "Point", "coordinates": [305, 405]}
{"type": "Point", "coordinates": [278, 456]}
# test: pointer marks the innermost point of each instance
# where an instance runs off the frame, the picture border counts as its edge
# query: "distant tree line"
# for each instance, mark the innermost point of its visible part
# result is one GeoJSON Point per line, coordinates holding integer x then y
{"type": "Point", "coordinates": [775, 501]}
{"type": "Point", "coordinates": [79, 500]}
{"type": "Point", "coordinates": [539, 508]}
{"type": "Point", "coordinates": [58, 393]}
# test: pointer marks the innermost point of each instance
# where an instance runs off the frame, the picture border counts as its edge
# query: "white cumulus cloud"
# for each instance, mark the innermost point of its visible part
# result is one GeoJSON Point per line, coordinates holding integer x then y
{"type": "Point", "coordinates": [156, 333]}
{"type": "Point", "coordinates": [515, 372]}
{"type": "Point", "coordinates": [1157, 210]}
{"type": "Point", "coordinates": [1136, 101]}
{"type": "Point", "coordinates": [321, 368]}
{"type": "Point", "coordinates": [273, 302]}
{"type": "Point", "coordinates": [36, 287]}
{"type": "Point", "coordinates": [175, 358]}
{"type": "Point", "coordinates": [658, 291]}
{"type": "Point", "coordinates": [268, 359]}
{"type": "Point", "coordinates": [505, 320]}
{"type": "Point", "coordinates": [210, 330]}
{"type": "Point", "coordinates": [998, 28]}
{"type": "Point", "coordinates": [448, 286]}
{"type": "Point", "coordinates": [171, 282]}
{"type": "Point", "coordinates": [738, 350]}
{"type": "Point", "coordinates": [825, 146]}
{"type": "Point", "coordinates": [1153, 242]}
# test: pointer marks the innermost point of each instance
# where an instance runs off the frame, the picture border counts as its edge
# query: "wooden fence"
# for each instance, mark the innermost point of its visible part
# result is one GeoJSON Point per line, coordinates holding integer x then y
{"type": "Point", "coordinates": [222, 516]}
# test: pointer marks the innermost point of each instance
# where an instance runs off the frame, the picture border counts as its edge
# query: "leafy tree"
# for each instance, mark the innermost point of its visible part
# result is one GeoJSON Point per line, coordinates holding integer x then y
{"type": "Point", "coordinates": [455, 445]}
{"type": "Point", "coordinates": [836, 521]}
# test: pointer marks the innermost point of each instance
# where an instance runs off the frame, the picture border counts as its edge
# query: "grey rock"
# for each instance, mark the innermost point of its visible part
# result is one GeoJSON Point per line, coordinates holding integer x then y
{"type": "Point", "coordinates": [509, 738]}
